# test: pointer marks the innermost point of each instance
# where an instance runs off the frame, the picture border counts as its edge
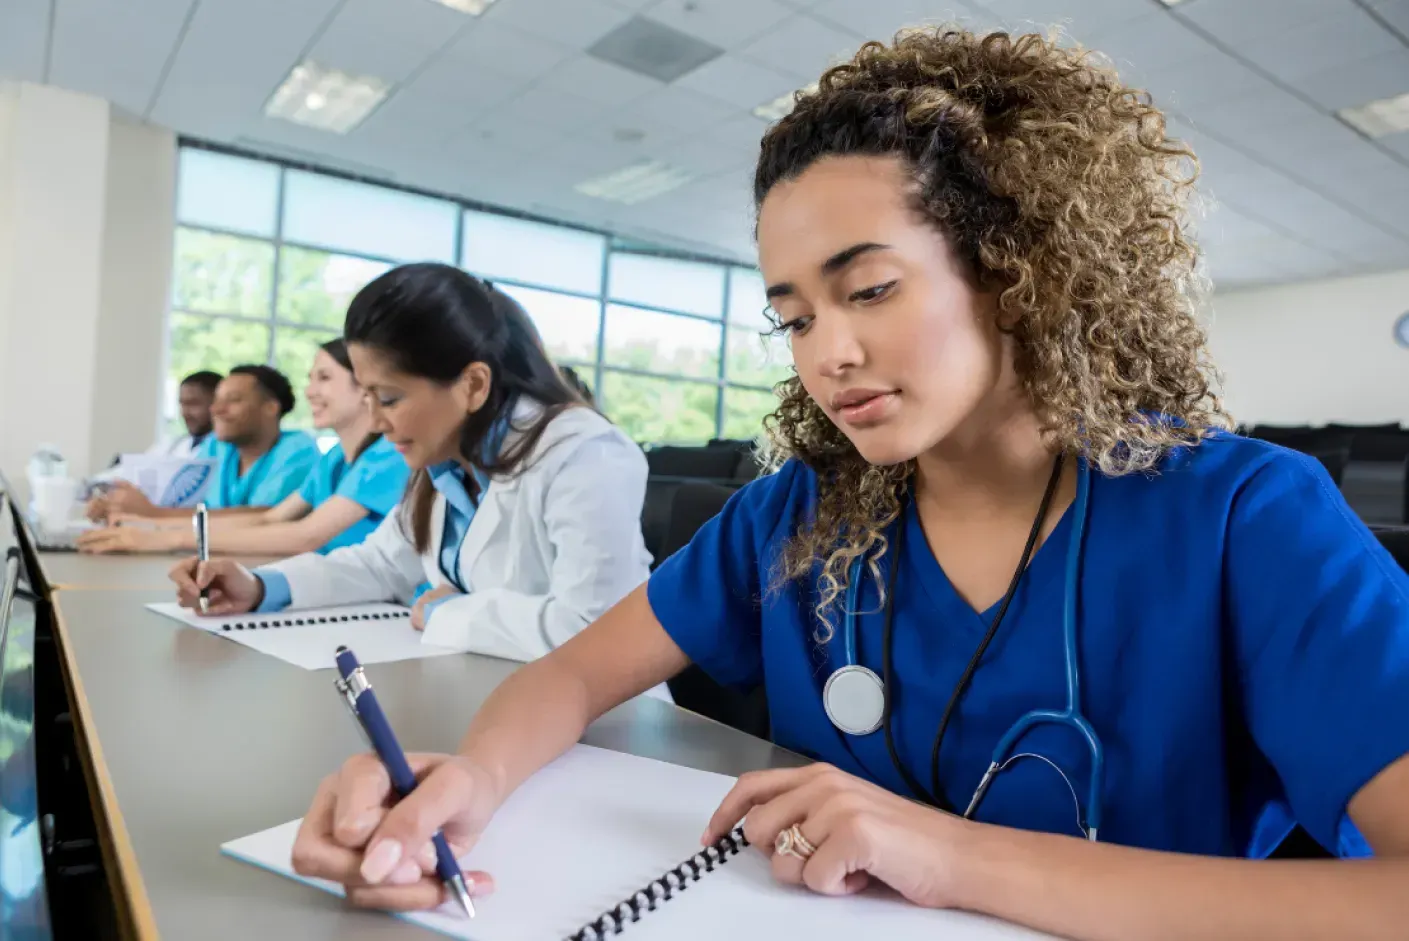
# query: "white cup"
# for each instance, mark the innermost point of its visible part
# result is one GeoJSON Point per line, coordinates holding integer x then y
{"type": "Point", "coordinates": [54, 498]}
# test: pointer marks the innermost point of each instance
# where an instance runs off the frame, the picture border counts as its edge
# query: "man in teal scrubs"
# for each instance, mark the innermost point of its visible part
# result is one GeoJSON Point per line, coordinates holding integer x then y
{"type": "Point", "coordinates": [259, 463]}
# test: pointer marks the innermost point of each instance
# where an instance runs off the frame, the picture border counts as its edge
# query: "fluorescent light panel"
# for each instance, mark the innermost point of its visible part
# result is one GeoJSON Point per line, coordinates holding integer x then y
{"type": "Point", "coordinates": [1378, 118]}
{"type": "Point", "coordinates": [472, 7]}
{"type": "Point", "coordinates": [636, 183]}
{"type": "Point", "coordinates": [782, 106]}
{"type": "Point", "coordinates": [326, 99]}
{"type": "Point", "coordinates": [1171, 3]}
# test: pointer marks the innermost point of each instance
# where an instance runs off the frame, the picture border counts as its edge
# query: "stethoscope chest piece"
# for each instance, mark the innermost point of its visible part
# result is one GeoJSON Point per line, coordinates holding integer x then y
{"type": "Point", "coordinates": [855, 699]}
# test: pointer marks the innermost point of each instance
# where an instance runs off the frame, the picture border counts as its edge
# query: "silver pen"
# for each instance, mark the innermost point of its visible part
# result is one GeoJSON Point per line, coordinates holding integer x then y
{"type": "Point", "coordinates": [202, 524]}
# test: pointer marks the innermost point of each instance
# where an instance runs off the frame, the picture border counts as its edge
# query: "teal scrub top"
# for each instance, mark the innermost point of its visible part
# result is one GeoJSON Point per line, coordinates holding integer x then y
{"type": "Point", "coordinates": [1244, 646]}
{"type": "Point", "coordinates": [375, 481]}
{"type": "Point", "coordinates": [280, 472]}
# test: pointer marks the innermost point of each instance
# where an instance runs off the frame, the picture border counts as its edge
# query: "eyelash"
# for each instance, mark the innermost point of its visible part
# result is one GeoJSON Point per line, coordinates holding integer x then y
{"type": "Point", "coordinates": [864, 296]}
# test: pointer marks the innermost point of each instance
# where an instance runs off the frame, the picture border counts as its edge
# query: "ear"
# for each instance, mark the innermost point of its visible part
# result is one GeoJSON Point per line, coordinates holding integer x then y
{"type": "Point", "coordinates": [473, 386]}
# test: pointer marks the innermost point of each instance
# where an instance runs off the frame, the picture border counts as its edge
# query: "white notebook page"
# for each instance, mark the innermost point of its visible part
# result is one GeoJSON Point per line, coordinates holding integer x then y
{"type": "Point", "coordinates": [595, 826]}
{"type": "Point", "coordinates": [311, 645]}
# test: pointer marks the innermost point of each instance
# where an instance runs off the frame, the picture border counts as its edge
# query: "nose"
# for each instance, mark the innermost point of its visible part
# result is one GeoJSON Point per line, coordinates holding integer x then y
{"type": "Point", "coordinates": [832, 344]}
{"type": "Point", "coordinates": [379, 420]}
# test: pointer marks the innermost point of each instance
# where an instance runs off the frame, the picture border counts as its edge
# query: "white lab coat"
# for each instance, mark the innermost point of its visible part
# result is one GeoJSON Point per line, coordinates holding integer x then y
{"type": "Point", "coordinates": [548, 550]}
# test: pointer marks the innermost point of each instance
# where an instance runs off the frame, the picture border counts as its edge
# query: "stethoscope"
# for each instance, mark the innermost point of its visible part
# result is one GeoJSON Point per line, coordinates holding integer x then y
{"type": "Point", "coordinates": [856, 699]}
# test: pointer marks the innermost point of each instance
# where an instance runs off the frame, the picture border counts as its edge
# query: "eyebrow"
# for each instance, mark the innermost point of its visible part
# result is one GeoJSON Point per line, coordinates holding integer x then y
{"type": "Point", "coordinates": [829, 267]}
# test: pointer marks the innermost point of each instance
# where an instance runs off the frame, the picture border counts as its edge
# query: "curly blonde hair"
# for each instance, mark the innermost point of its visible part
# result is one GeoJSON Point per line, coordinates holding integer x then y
{"type": "Point", "coordinates": [1059, 186]}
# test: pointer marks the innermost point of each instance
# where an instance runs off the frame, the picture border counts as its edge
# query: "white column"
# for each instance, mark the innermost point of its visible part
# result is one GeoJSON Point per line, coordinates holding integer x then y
{"type": "Point", "coordinates": [86, 206]}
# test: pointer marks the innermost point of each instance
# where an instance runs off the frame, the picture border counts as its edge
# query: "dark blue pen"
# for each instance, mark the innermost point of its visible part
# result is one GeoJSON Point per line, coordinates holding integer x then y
{"type": "Point", "coordinates": [357, 692]}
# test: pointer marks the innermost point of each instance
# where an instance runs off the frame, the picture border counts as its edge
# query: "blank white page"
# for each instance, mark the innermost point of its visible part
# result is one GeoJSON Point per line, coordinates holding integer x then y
{"type": "Point", "coordinates": [377, 633]}
{"type": "Point", "coordinates": [595, 826]}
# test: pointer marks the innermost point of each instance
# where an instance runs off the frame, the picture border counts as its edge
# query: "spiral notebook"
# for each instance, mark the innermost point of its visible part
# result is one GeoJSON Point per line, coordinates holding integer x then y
{"type": "Point", "coordinates": [380, 633]}
{"type": "Point", "coordinates": [600, 841]}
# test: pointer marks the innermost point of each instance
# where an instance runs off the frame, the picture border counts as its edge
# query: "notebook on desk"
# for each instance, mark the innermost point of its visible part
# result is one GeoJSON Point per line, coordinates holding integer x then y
{"type": "Point", "coordinates": [597, 830]}
{"type": "Point", "coordinates": [380, 633]}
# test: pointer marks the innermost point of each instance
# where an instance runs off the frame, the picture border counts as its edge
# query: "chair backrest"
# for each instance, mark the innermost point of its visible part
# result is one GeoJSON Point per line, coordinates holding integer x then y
{"type": "Point", "coordinates": [1334, 461]}
{"type": "Point", "coordinates": [693, 689]}
{"type": "Point", "coordinates": [1396, 540]}
{"type": "Point", "coordinates": [707, 463]}
{"type": "Point", "coordinates": [1380, 446]}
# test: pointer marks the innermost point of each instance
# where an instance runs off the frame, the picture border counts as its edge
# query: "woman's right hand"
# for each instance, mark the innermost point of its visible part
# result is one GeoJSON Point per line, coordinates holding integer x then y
{"type": "Point", "coordinates": [383, 855]}
{"type": "Point", "coordinates": [231, 588]}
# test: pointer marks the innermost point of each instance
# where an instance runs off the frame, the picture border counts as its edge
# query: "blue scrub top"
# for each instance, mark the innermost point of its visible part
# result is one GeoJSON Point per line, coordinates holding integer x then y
{"type": "Point", "coordinates": [1244, 645]}
{"type": "Point", "coordinates": [280, 472]}
{"type": "Point", "coordinates": [375, 481]}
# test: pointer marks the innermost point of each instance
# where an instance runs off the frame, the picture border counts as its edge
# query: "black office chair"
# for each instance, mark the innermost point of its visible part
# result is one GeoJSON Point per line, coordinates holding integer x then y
{"type": "Point", "coordinates": [1334, 461]}
{"type": "Point", "coordinates": [1396, 540]}
{"type": "Point", "coordinates": [692, 688]}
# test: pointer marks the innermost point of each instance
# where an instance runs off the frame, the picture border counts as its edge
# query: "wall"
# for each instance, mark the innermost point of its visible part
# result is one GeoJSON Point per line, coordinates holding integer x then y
{"type": "Point", "coordinates": [1315, 352]}
{"type": "Point", "coordinates": [85, 256]}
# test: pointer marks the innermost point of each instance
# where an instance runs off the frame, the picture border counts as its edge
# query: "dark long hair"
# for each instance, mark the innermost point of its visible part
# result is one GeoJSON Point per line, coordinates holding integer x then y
{"type": "Point", "coordinates": [433, 321]}
{"type": "Point", "coordinates": [337, 349]}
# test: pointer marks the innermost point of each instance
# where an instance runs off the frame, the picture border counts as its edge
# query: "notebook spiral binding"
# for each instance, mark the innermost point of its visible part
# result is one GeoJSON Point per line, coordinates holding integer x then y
{"type": "Point", "coordinates": [255, 625]}
{"type": "Point", "coordinates": [615, 919]}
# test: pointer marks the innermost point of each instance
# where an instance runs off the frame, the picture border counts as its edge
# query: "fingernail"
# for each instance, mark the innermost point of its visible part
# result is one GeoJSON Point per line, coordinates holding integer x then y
{"type": "Point", "coordinates": [704, 838]}
{"type": "Point", "coordinates": [381, 860]}
{"type": "Point", "coordinates": [426, 856]}
{"type": "Point", "coordinates": [408, 873]}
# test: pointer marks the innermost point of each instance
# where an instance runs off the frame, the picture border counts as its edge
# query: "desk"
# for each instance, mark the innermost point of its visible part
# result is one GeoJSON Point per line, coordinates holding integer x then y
{"type": "Point", "coordinates": [73, 570]}
{"type": "Point", "coordinates": [196, 740]}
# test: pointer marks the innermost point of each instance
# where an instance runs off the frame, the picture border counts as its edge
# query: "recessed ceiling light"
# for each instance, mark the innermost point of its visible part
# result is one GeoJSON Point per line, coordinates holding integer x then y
{"type": "Point", "coordinates": [326, 99]}
{"type": "Point", "coordinates": [472, 7]}
{"type": "Point", "coordinates": [1378, 118]}
{"type": "Point", "coordinates": [1171, 3]}
{"type": "Point", "coordinates": [636, 183]}
{"type": "Point", "coordinates": [782, 106]}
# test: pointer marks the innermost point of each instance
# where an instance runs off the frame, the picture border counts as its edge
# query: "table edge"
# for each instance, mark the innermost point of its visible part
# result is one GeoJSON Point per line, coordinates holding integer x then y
{"type": "Point", "coordinates": [132, 896]}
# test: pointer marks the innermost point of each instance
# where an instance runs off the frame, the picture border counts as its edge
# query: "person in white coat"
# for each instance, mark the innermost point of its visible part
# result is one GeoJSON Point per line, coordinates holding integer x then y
{"type": "Point", "coordinates": [523, 510]}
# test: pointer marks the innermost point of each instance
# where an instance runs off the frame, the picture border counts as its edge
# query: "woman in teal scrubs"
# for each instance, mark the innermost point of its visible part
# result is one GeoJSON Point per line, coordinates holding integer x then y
{"type": "Point", "coordinates": [1058, 644]}
{"type": "Point", "coordinates": [358, 481]}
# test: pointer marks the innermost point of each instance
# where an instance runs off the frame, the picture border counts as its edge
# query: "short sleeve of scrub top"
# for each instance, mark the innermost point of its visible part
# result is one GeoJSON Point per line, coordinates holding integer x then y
{"type": "Point", "coordinates": [1319, 612]}
{"type": "Point", "coordinates": [375, 482]}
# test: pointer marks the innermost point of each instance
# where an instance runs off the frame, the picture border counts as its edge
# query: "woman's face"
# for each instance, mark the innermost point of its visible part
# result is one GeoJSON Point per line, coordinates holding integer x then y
{"type": "Point", "coordinates": [334, 397]}
{"type": "Point", "coordinates": [422, 418]}
{"type": "Point", "coordinates": [889, 334]}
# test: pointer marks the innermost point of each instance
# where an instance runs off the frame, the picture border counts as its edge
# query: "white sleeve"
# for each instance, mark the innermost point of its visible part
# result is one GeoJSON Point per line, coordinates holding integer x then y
{"type": "Point", "coordinates": [383, 567]}
{"type": "Point", "coordinates": [592, 518]}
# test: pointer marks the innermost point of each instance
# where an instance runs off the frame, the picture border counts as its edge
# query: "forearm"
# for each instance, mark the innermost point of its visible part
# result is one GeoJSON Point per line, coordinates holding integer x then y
{"type": "Point", "coordinates": [275, 539]}
{"type": "Point", "coordinates": [1103, 892]}
{"type": "Point", "coordinates": [531, 718]}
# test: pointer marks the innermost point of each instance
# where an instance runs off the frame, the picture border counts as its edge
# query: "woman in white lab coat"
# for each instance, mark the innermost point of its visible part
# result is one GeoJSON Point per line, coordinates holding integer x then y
{"type": "Point", "coordinates": [524, 506]}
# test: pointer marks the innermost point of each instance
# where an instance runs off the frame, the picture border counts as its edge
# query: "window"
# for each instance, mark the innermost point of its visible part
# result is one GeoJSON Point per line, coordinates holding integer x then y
{"type": "Point", "coordinates": [268, 258]}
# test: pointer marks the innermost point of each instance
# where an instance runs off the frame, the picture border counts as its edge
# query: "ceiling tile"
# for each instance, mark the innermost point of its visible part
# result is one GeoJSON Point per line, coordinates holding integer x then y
{"type": "Point", "coordinates": [87, 31]}
{"type": "Point", "coordinates": [1079, 19]}
{"type": "Point", "coordinates": [1213, 79]}
{"type": "Point", "coordinates": [599, 81]}
{"type": "Point", "coordinates": [680, 108]}
{"type": "Point", "coordinates": [386, 38]}
{"type": "Point", "coordinates": [739, 82]}
{"type": "Point", "coordinates": [1342, 39]}
{"type": "Point", "coordinates": [725, 23]}
{"type": "Point", "coordinates": [1395, 13]}
{"type": "Point", "coordinates": [882, 19]}
{"type": "Point", "coordinates": [802, 46]}
{"type": "Point", "coordinates": [1398, 143]}
{"type": "Point", "coordinates": [24, 30]}
{"type": "Point", "coordinates": [744, 131]}
{"type": "Point", "coordinates": [455, 82]}
{"type": "Point", "coordinates": [1355, 83]}
{"type": "Point", "coordinates": [548, 107]}
{"type": "Point", "coordinates": [1247, 20]}
{"type": "Point", "coordinates": [235, 53]}
{"type": "Point", "coordinates": [578, 24]}
{"type": "Point", "coordinates": [499, 48]}
{"type": "Point", "coordinates": [1148, 46]}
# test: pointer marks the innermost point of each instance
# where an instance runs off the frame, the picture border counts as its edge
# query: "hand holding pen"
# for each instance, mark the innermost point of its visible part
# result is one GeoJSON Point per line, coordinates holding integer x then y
{"type": "Point", "coordinates": [407, 841]}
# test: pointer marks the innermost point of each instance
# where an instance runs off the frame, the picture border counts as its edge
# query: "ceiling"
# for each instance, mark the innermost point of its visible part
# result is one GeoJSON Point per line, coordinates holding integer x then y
{"type": "Point", "coordinates": [509, 109]}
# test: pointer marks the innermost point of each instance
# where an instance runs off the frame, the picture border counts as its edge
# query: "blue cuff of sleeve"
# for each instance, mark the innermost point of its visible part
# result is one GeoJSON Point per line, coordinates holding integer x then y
{"type": "Point", "coordinates": [432, 605]}
{"type": "Point", "coordinates": [277, 594]}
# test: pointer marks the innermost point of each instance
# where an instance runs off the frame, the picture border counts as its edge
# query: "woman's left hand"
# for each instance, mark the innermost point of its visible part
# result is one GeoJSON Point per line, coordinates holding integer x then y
{"type": "Point", "coordinates": [125, 539]}
{"type": "Point", "coordinates": [418, 610]}
{"type": "Point", "coordinates": [860, 832]}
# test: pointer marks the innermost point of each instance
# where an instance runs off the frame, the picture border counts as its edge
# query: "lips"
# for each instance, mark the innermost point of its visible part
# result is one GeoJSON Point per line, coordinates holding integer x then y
{"type": "Point", "coordinates": [861, 407]}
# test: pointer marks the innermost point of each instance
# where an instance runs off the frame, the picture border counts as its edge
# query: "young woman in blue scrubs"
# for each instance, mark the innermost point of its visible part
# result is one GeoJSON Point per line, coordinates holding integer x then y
{"type": "Point", "coordinates": [344, 498]}
{"type": "Point", "coordinates": [1003, 409]}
